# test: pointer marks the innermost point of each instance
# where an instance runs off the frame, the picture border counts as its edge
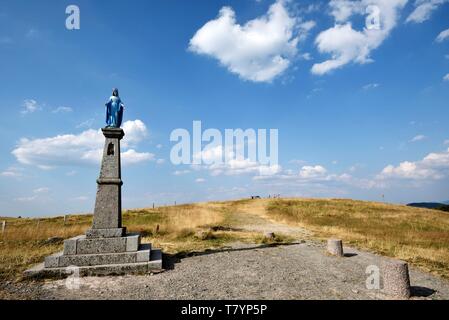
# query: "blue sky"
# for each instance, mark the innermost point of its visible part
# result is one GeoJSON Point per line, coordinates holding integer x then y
{"type": "Point", "coordinates": [361, 113]}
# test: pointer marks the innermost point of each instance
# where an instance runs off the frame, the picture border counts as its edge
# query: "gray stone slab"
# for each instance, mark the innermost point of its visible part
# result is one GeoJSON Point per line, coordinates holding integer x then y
{"type": "Point", "coordinates": [143, 256]}
{"type": "Point", "coordinates": [97, 259]}
{"type": "Point", "coordinates": [53, 260]}
{"type": "Point", "coordinates": [40, 272]}
{"type": "Point", "coordinates": [70, 245]}
{"type": "Point", "coordinates": [133, 242]}
{"type": "Point", "coordinates": [106, 233]}
{"type": "Point", "coordinates": [101, 245]}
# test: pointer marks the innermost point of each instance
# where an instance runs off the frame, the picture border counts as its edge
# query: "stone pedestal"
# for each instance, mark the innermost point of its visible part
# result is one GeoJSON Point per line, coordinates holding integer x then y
{"type": "Point", "coordinates": [106, 249]}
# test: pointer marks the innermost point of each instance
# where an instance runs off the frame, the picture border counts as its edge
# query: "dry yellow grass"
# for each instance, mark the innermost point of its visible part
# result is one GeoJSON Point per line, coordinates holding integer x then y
{"type": "Point", "coordinates": [183, 228]}
{"type": "Point", "coordinates": [419, 236]}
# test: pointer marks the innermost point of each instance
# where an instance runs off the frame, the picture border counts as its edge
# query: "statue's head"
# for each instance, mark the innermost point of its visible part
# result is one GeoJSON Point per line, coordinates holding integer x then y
{"type": "Point", "coordinates": [115, 92]}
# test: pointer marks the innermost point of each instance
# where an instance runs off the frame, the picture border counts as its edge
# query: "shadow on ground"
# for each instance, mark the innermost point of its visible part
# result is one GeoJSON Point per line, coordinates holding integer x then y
{"type": "Point", "coordinates": [169, 260]}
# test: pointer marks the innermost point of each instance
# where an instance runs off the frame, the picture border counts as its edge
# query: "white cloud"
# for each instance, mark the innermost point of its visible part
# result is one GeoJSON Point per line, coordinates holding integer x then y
{"type": "Point", "coordinates": [30, 106]}
{"type": "Point", "coordinates": [434, 166]}
{"type": "Point", "coordinates": [26, 199]}
{"type": "Point", "coordinates": [371, 86]}
{"type": "Point", "coordinates": [131, 156]}
{"type": "Point", "coordinates": [446, 141]}
{"type": "Point", "coordinates": [12, 172]}
{"type": "Point", "coordinates": [259, 50]}
{"type": "Point", "coordinates": [446, 77]}
{"type": "Point", "coordinates": [442, 36]}
{"type": "Point", "coordinates": [160, 161]}
{"type": "Point", "coordinates": [417, 138]}
{"type": "Point", "coordinates": [308, 172]}
{"type": "Point", "coordinates": [86, 124]}
{"type": "Point", "coordinates": [347, 45]}
{"type": "Point", "coordinates": [181, 172]}
{"type": "Point", "coordinates": [41, 190]}
{"type": "Point", "coordinates": [424, 9]}
{"type": "Point", "coordinates": [80, 149]}
{"type": "Point", "coordinates": [62, 110]}
{"type": "Point", "coordinates": [200, 180]}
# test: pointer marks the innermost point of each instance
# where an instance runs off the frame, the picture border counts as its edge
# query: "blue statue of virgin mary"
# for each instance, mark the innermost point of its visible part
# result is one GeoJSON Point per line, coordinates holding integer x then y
{"type": "Point", "coordinates": [114, 110]}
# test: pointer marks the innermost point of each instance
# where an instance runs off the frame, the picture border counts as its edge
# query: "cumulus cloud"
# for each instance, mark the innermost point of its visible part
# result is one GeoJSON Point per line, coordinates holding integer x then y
{"type": "Point", "coordinates": [219, 161]}
{"type": "Point", "coordinates": [442, 36]}
{"type": "Point", "coordinates": [30, 106]}
{"type": "Point", "coordinates": [424, 9]}
{"type": "Point", "coordinates": [200, 180]}
{"type": "Point", "coordinates": [347, 45]}
{"type": "Point", "coordinates": [260, 50]}
{"type": "Point", "coordinates": [308, 172]}
{"type": "Point", "coordinates": [434, 166]}
{"type": "Point", "coordinates": [446, 77]}
{"type": "Point", "coordinates": [80, 149]}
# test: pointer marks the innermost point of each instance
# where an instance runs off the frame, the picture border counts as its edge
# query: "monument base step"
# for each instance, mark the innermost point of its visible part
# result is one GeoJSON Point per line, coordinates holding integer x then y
{"type": "Point", "coordinates": [154, 265]}
{"type": "Point", "coordinates": [61, 260]}
{"type": "Point", "coordinates": [106, 233]}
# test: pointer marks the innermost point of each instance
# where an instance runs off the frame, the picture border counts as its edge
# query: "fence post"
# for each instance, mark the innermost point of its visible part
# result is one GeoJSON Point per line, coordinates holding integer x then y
{"type": "Point", "coordinates": [3, 226]}
{"type": "Point", "coordinates": [153, 205]}
{"type": "Point", "coordinates": [65, 219]}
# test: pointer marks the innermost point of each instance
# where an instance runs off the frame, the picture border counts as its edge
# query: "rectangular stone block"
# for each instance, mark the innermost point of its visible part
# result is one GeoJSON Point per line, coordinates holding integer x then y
{"type": "Point", "coordinates": [101, 245]}
{"type": "Point", "coordinates": [70, 245]}
{"type": "Point", "coordinates": [98, 259]}
{"type": "Point", "coordinates": [52, 261]}
{"type": "Point", "coordinates": [143, 256]}
{"type": "Point", "coordinates": [132, 242]}
{"type": "Point", "coordinates": [106, 233]}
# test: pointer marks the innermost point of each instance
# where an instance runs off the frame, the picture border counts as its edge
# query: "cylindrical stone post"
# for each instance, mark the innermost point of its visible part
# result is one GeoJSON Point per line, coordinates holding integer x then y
{"type": "Point", "coordinates": [396, 278]}
{"type": "Point", "coordinates": [3, 226]}
{"type": "Point", "coordinates": [335, 247]}
{"type": "Point", "coordinates": [65, 219]}
{"type": "Point", "coordinates": [153, 205]}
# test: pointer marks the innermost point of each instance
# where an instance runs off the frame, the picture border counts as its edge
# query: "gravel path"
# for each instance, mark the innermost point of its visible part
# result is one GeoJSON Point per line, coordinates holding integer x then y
{"type": "Point", "coordinates": [301, 270]}
{"type": "Point", "coordinates": [297, 271]}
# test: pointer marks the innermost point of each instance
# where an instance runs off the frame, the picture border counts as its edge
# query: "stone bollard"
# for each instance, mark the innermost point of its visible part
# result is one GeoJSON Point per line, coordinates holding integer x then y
{"type": "Point", "coordinates": [396, 278]}
{"type": "Point", "coordinates": [335, 247]}
{"type": "Point", "coordinates": [3, 226]}
{"type": "Point", "coordinates": [153, 205]}
{"type": "Point", "coordinates": [65, 219]}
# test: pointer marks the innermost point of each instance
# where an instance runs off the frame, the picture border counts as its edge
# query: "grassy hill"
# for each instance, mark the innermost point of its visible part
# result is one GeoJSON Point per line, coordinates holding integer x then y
{"type": "Point", "coordinates": [420, 236]}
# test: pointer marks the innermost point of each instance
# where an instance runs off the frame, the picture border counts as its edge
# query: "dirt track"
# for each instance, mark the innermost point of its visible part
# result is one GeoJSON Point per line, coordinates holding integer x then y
{"type": "Point", "coordinates": [301, 270]}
